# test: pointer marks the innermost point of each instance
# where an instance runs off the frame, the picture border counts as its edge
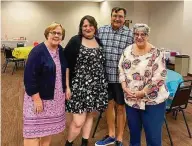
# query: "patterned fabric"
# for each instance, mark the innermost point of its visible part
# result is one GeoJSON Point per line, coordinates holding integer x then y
{"type": "Point", "coordinates": [114, 42]}
{"type": "Point", "coordinates": [52, 119]}
{"type": "Point", "coordinates": [89, 86]}
{"type": "Point", "coordinates": [140, 71]}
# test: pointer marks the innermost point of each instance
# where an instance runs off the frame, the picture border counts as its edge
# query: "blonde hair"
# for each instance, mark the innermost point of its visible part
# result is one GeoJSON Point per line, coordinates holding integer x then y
{"type": "Point", "coordinates": [51, 27]}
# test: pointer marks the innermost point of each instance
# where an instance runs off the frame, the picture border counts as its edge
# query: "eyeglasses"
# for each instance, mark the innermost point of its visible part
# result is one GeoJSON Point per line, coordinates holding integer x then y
{"type": "Point", "coordinates": [118, 16]}
{"type": "Point", "coordinates": [141, 34]}
{"type": "Point", "coordinates": [54, 33]}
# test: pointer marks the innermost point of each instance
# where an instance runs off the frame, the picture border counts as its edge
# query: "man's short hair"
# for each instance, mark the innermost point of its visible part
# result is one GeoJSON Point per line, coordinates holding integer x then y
{"type": "Point", "coordinates": [117, 9]}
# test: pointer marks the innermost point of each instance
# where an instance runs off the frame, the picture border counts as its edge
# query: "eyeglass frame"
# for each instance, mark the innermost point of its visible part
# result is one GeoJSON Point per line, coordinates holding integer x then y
{"type": "Point", "coordinates": [119, 16]}
{"type": "Point", "coordinates": [54, 33]}
{"type": "Point", "coordinates": [143, 35]}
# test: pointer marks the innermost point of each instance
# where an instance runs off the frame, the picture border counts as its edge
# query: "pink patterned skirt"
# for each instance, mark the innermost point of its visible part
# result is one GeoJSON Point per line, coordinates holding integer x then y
{"type": "Point", "coordinates": [52, 119]}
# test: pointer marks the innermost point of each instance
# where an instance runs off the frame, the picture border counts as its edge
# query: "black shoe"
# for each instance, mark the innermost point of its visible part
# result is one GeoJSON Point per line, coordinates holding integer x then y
{"type": "Point", "coordinates": [68, 143]}
{"type": "Point", "coordinates": [118, 143]}
{"type": "Point", "coordinates": [84, 142]}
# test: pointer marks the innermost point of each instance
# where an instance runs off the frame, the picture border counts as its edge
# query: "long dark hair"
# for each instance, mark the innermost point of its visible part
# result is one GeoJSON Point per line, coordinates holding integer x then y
{"type": "Point", "coordinates": [91, 20]}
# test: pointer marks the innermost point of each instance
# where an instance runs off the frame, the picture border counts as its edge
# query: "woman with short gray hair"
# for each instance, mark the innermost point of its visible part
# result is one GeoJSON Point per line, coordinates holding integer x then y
{"type": "Point", "coordinates": [142, 76]}
{"type": "Point", "coordinates": [143, 27]}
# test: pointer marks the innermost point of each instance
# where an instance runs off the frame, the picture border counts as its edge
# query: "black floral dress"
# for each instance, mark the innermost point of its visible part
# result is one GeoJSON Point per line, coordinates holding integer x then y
{"type": "Point", "coordinates": [89, 85]}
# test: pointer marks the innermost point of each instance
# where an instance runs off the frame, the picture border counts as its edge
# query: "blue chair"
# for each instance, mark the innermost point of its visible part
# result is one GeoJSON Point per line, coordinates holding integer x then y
{"type": "Point", "coordinates": [173, 79]}
{"type": "Point", "coordinates": [179, 104]}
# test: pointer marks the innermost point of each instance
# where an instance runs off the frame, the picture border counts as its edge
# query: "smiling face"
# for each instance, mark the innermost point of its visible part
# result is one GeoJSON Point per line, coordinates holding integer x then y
{"type": "Point", "coordinates": [88, 30]}
{"type": "Point", "coordinates": [55, 36]}
{"type": "Point", "coordinates": [140, 38]}
{"type": "Point", "coordinates": [117, 19]}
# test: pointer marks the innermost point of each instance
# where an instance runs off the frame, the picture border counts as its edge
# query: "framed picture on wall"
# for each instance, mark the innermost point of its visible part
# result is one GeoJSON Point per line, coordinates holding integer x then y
{"type": "Point", "coordinates": [127, 22]}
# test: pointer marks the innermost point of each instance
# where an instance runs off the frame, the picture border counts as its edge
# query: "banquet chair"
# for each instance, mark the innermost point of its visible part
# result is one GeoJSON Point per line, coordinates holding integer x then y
{"type": "Point", "coordinates": [179, 104]}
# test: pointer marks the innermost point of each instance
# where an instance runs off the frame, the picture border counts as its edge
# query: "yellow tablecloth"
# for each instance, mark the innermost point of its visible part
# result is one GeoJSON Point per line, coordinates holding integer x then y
{"type": "Point", "coordinates": [22, 52]}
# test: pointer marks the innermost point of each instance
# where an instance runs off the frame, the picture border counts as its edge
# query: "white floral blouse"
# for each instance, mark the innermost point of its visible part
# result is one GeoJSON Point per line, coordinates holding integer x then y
{"type": "Point", "coordinates": [145, 70]}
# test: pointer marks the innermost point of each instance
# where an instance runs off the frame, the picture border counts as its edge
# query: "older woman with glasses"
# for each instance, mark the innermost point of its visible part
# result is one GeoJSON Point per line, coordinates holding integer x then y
{"type": "Point", "coordinates": [142, 76]}
{"type": "Point", "coordinates": [46, 86]}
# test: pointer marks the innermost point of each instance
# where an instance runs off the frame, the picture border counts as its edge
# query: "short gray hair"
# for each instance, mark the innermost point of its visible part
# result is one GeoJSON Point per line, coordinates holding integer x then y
{"type": "Point", "coordinates": [142, 27]}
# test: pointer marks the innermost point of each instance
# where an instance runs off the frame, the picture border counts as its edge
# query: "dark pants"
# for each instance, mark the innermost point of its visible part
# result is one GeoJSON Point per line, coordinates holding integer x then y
{"type": "Point", "coordinates": [152, 119]}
